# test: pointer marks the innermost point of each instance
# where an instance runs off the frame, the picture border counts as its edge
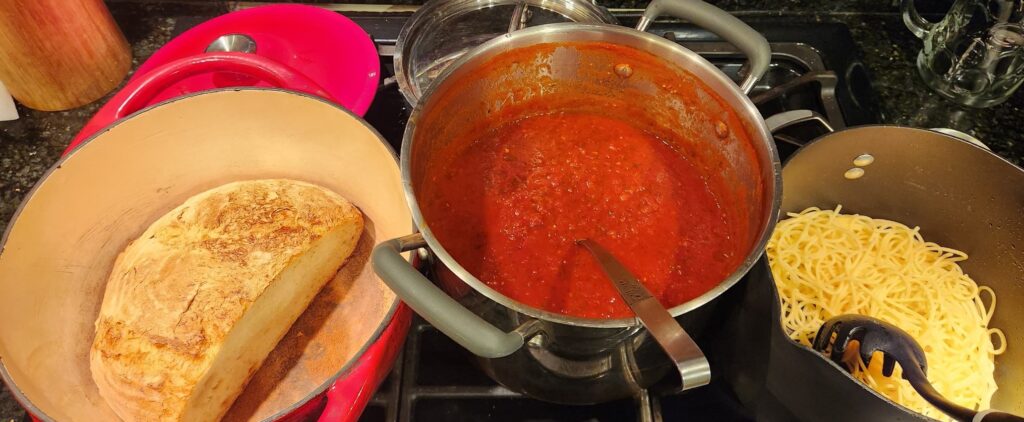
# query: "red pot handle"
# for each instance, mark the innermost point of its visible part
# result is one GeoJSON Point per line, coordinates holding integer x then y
{"type": "Point", "coordinates": [347, 398]}
{"type": "Point", "coordinates": [149, 85]}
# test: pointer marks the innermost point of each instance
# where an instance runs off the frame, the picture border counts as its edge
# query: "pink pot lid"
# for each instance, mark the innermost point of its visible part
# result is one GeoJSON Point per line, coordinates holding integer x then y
{"type": "Point", "coordinates": [324, 46]}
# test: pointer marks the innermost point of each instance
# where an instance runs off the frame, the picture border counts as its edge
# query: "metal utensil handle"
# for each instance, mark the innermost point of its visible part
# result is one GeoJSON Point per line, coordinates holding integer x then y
{"type": "Point", "coordinates": [685, 353]}
{"type": "Point", "coordinates": [723, 24]}
{"type": "Point", "coordinates": [434, 305]}
{"type": "Point", "coordinates": [519, 17]}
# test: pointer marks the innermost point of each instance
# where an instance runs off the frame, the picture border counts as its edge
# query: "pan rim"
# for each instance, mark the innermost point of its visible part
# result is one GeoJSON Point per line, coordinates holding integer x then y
{"type": "Point", "coordinates": [775, 310]}
{"type": "Point", "coordinates": [35, 411]}
{"type": "Point", "coordinates": [932, 131]}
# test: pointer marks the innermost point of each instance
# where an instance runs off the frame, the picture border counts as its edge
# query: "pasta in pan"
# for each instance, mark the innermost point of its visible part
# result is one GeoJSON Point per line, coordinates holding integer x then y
{"type": "Point", "coordinates": [827, 264]}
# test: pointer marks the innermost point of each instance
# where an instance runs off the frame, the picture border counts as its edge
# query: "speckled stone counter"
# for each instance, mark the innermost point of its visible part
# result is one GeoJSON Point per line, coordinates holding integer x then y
{"type": "Point", "coordinates": [32, 144]}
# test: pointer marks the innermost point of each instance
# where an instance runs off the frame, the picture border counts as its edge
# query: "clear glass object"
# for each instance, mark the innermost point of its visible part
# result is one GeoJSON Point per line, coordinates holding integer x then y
{"type": "Point", "coordinates": [975, 54]}
{"type": "Point", "coordinates": [441, 31]}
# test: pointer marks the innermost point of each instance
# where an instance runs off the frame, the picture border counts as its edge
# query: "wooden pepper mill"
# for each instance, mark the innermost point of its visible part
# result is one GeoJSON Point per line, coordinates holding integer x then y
{"type": "Point", "coordinates": [60, 54]}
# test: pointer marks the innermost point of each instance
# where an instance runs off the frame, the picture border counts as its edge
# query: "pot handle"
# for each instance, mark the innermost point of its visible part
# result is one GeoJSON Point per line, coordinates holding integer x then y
{"type": "Point", "coordinates": [156, 80]}
{"type": "Point", "coordinates": [786, 119]}
{"type": "Point", "coordinates": [442, 311]}
{"type": "Point", "coordinates": [961, 136]}
{"type": "Point", "coordinates": [723, 24]}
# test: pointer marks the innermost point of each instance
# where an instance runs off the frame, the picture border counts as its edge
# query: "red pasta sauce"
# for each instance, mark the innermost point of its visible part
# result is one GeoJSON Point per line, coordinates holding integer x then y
{"type": "Point", "coordinates": [515, 201]}
{"type": "Point", "coordinates": [509, 201]}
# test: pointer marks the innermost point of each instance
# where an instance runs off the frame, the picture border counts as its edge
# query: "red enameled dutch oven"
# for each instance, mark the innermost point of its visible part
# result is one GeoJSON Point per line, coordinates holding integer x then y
{"type": "Point", "coordinates": [182, 67]}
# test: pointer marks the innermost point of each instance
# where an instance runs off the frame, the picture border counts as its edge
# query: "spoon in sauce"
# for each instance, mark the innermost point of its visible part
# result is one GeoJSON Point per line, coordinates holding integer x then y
{"type": "Point", "coordinates": [674, 340]}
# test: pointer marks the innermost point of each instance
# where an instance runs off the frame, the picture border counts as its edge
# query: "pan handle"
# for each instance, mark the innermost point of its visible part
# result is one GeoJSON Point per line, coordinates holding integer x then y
{"type": "Point", "coordinates": [786, 119]}
{"type": "Point", "coordinates": [789, 118]}
{"type": "Point", "coordinates": [780, 121]}
{"type": "Point", "coordinates": [723, 24]}
{"type": "Point", "coordinates": [961, 136]}
{"type": "Point", "coordinates": [277, 74]}
{"type": "Point", "coordinates": [434, 305]}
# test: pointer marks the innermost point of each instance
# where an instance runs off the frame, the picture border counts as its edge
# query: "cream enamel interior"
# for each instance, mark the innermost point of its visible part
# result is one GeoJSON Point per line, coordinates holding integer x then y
{"type": "Point", "coordinates": [62, 243]}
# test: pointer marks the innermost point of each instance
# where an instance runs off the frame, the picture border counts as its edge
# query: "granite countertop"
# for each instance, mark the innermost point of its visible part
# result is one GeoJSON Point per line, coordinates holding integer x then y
{"type": "Point", "coordinates": [32, 144]}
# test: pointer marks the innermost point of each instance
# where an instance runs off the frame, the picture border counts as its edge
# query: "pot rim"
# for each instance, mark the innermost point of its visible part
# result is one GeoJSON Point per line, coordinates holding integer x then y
{"type": "Point", "coordinates": [38, 413]}
{"type": "Point", "coordinates": [943, 132]}
{"type": "Point", "coordinates": [775, 309]}
{"type": "Point", "coordinates": [681, 57]}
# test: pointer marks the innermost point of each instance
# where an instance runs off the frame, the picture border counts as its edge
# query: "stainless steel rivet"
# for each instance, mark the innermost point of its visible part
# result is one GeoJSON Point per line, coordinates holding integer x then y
{"type": "Point", "coordinates": [232, 43]}
{"type": "Point", "coordinates": [864, 160]}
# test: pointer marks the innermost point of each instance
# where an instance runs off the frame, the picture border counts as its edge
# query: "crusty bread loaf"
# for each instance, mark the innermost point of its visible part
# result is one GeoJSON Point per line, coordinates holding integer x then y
{"type": "Point", "coordinates": [195, 304]}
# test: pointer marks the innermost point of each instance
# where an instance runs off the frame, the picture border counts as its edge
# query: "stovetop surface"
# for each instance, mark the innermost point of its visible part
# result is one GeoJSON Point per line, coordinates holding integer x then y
{"type": "Point", "coordinates": [815, 66]}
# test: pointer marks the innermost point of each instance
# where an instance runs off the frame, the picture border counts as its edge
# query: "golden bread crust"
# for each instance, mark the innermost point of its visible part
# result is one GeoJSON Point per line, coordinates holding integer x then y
{"type": "Point", "coordinates": [175, 293]}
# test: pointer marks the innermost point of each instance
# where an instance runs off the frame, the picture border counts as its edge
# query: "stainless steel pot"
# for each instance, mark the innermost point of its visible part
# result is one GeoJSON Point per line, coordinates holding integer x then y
{"type": "Point", "coordinates": [961, 196]}
{"type": "Point", "coordinates": [546, 355]}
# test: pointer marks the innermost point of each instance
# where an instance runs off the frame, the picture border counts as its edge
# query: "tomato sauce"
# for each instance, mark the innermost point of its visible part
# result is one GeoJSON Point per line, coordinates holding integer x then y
{"type": "Point", "coordinates": [510, 204]}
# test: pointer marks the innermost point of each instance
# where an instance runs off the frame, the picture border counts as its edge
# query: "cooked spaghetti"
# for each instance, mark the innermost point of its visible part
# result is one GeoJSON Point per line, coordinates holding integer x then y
{"type": "Point", "coordinates": [827, 264]}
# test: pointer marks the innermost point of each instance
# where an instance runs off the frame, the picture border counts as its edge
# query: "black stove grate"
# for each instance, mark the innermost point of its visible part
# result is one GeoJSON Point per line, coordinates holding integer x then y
{"type": "Point", "coordinates": [434, 380]}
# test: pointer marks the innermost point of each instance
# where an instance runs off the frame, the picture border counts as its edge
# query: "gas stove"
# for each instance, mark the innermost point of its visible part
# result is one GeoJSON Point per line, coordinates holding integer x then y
{"type": "Point", "coordinates": [815, 66]}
